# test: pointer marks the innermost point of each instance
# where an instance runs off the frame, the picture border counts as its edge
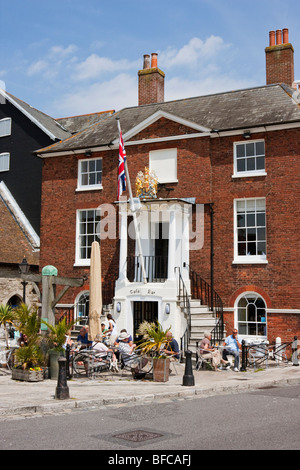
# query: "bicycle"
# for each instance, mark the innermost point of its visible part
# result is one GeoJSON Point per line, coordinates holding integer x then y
{"type": "Point", "coordinates": [87, 362]}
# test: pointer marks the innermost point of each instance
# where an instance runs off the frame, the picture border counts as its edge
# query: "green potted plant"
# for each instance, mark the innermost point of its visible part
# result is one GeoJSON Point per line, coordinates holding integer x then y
{"type": "Point", "coordinates": [154, 341]}
{"type": "Point", "coordinates": [56, 339]}
{"type": "Point", "coordinates": [29, 357]}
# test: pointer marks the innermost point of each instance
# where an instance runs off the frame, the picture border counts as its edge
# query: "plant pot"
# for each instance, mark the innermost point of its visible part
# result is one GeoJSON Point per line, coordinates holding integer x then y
{"type": "Point", "coordinates": [27, 375]}
{"type": "Point", "coordinates": [161, 369]}
{"type": "Point", "coordinates": [54, 368]}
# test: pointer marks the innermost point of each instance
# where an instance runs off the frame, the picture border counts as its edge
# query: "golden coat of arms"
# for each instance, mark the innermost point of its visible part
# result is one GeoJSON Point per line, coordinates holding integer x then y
{"type": "Point", "coordinates": [146, 184]}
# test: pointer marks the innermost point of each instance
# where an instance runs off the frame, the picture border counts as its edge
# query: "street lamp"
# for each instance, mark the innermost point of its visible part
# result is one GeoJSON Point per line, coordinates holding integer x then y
{"type": "Point", "coordinates": [24, 269]}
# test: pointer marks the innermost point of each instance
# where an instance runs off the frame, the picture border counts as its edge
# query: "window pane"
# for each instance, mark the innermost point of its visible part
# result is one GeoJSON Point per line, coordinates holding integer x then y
{"type": "Point", "coordinates": [260, 204]}
{"type": "Point", "coordinates": [243, 329]}
{"type": "Point", "coordinates": [261, 234]}
{"type": "Point", "coordinates": [84, 179]}
{"type": "Point", "coordinates": [260, 148]}
{"type": "Point", "coordinates": [251, 249]}
{"type": "Point", "coordinates": [241, 220]}
{"type": "Point", "coordinates": [250, 205]}
{"type": "Point", "coordinates": [261, 330]}
{"type": "Point", "coordinates": [242, 249]}
{"type": "Point", "coordinates": [252, 329]}
{"type": "Point", "coordinates": [92, 179]}
{"type": "Point", "coordinates": [84, 167]}
{"type": "Point", "coordinates": [240, 150]}
{"type": "Point", "coordinates": [251, 234]}
{"type": "Point", "coordinates": [260, 219]}
{"type": "Point", "coordinates": [250, 220]}
{"type": "Point", "coordinates": [251, 312]}
{"type": "Point", "coordinates": [92, 165]}
{"type": "Point", "coordinates": [241, 165]}
{"type": "Point", "coordinates": [240, 205]}
{"type": "Point", "coordinates": [260, 163]}
{"type": "Point", "coordinates": [261, 248]}
{"type": "Point", "coordinates": [242, 314]}
{"type": "Point", "coordinates": [250, 149]}
{"type": "Point", "coordinates": [241, 235]}
{"type": "Point", "coordinates": [99, 164]}
{"type": "Point", "coordinates": [250, 164]}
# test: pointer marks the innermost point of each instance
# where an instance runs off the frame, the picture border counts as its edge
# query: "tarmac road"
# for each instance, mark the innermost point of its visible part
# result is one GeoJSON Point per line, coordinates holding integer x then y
{"type": "Point", "coordinates": [267, 418]}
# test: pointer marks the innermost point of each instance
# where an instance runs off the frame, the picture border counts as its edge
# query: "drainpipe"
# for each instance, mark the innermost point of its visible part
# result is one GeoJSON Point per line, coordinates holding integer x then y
{"type": "Point", "coordinates": [212, 253]}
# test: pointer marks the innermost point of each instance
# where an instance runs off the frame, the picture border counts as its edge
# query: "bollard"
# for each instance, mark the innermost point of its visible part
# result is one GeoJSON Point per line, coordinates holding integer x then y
{"type": "Point", "coordinates": [62, 389]}
{"type": "Point", "coordinates": [295, 352]}
{"type": "Point", "coordinates": [244, 357]}
{"type": "Point", "coordinates": [188, 378]}
{"type": "Point", "coordinates": [68, 349]}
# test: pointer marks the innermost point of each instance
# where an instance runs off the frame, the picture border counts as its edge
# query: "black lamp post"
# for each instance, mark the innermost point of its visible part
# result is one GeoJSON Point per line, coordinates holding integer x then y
{"type": "Point", "coordinates": [24, 269]}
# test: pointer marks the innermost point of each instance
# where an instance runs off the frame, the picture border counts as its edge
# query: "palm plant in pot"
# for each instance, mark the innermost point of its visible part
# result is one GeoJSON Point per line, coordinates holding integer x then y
{"type": "Point", "coordinates": [6, 317]}
{"type": "Point", "coordinates": [29, 357]}
{"type": "Point", "coordinates": [154, 341]}
{"type": "Point", "coordinates": [56, 339]}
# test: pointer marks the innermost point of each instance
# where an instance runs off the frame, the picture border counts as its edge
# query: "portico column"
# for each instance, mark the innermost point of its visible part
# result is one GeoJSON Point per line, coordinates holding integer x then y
{"type": "Point", "coordinates": [123, 242]}
{"type": "Point", "coordinates": [172, 246]}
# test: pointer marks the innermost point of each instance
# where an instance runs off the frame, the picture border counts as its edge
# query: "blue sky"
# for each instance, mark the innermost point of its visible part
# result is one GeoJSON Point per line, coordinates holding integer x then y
{"type": "Point", "coordinates": [69, 57]}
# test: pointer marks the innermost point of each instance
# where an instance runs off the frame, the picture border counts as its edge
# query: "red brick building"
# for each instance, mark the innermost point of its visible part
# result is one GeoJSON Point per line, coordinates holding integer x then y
{"type": "Point", "coordinates": [227, 207]}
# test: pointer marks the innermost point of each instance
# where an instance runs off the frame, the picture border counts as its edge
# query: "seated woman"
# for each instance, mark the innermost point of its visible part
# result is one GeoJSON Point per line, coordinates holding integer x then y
{"type": "Point", "coordinates": [129, 356]}
{"type": "Point", "coordinates": [206, 350]}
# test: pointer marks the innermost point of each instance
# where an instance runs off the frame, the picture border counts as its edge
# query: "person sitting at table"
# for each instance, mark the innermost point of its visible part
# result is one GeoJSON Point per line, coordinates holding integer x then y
{"type": "Point", "coordinates": [172, 348]}
{"type": "Point", "coordinates": [130, 341]}
{"type": "Point", "coordinates": [205, 349]}
{"type": "Point", "coordinates": [232, 346]}
{"type": "Point", "coordinates": [129, 356]}
{"type": "Point", "coordinates": [83, 338]}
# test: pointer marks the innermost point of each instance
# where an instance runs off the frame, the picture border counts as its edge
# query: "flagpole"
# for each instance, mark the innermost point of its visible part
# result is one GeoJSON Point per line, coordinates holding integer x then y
{"type": "Point", "coordinates": [133, 210]}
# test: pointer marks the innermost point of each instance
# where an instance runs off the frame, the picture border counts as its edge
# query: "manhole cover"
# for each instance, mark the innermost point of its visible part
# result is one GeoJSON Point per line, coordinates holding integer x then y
{"type": "Point", "coordinates": [138, 436]}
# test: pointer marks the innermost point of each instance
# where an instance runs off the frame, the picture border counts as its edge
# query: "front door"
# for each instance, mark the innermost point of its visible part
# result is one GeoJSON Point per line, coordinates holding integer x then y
{"type": "Point", "coordinates": [161, 252]}
{"type": "Point", "coordinates": [143, 311]}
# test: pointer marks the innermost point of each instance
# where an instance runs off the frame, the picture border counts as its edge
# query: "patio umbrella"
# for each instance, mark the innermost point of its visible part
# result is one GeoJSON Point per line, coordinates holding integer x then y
{"type": "Point", "coordinates": [95, 293]}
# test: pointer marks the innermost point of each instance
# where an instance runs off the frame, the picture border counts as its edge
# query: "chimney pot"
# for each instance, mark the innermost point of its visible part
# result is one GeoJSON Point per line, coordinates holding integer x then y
{"type": "Point", "coordinates": [285, 32]}
{"type": "Point", "coordinates": [146, 61]}
{"type": "Point", "coordinates": [278, 37]}
{"type": "Point", "coordinates": [272, 38]}
{"type": "Point", "coordinates": [154, 60]}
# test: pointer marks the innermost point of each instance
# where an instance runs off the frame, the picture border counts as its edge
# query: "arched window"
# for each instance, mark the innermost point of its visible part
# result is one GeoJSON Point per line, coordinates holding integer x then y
{"type": "Point", "coordinates": [82, 308]}
{"type": "Point", "coordinates": [251, 315]}
{"type": "Point", "coordinates": [14, 301]}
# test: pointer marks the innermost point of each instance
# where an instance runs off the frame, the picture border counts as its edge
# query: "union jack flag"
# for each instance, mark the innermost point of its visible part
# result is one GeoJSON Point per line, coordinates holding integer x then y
{"type": "Point", "coordinates": [121, 173]}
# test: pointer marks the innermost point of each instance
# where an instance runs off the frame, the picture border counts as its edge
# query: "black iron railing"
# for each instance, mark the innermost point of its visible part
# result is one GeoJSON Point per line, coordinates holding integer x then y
{"type": "Point", "coordinates": [184, 299]}
{"type": "Point", "coordinates": [156, 268]}
{"type": "Point", "coordinates": [202, 291]}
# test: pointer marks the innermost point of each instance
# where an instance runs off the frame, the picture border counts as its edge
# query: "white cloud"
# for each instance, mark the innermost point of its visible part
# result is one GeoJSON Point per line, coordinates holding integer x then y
{"type": "Point", "coordinates": [192, 52]}
{"type": "Point", "coordinates": [94, 66]}
{"type": "Point", "coordinates": [116, 94]}
{"type": "Point", "coordinates": [57, 58]}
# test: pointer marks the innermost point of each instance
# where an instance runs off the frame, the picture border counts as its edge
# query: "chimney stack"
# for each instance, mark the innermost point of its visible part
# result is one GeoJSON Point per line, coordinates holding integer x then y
{"type": "Point", "coordinates": [279, 58]}
{"type": "Point", "coordinates": [151, 81]}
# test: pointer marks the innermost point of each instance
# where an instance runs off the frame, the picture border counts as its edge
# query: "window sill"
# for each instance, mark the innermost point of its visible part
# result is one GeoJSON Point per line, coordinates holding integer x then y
{"type": "Point", "coordinates": [250, 261]}
{"type": "Point", "coordinates": [89, 188]}
{"type": "Point", "coordinates": [249, 174]}
{"type": "Point", "coordinates": [82, 264]}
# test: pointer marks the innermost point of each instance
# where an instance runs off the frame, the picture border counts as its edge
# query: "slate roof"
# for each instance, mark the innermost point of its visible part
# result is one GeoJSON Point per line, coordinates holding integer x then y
{"type": "Point", "coordinates": [76, 124]}
{"type": "Point", "coordinates": [240, 109]}
{"type": "Point", "coordinates": [39, 117]}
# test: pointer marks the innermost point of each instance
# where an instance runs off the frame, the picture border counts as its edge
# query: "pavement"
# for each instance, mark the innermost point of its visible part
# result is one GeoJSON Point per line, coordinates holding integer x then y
{"type": "Point", "coordinates": [32, 399]}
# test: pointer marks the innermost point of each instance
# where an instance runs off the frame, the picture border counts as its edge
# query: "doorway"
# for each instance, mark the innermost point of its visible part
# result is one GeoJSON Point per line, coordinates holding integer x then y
{"type": "Point", "coordinates": [143, 311]}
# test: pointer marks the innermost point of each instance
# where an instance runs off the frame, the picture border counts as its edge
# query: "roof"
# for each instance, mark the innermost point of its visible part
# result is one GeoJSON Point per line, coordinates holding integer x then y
{"type": "Point", "coordinates": [75, 124]}
{"type": "Point", "coordinates": [17, 236]}
{"type": "Point", "coordinates": [46, 123]}
{"type": "Point", "coordinates": [240, 109]}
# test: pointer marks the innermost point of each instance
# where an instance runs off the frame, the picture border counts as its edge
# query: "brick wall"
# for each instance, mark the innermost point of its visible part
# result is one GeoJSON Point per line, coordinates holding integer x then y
{"type": "Point", "coordinates": [205, 168]}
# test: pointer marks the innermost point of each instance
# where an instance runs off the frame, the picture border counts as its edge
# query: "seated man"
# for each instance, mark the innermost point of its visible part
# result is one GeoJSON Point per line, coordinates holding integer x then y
{"type": "Point", "coordinates": [103, 350]}
{"type": "Point", "coordinates": [83, 338]}
{"type": "Point", "coordinates": [206, 350]}
{"type": "Point", "coordinates": [172, 348]}
{"type": "Point", "coordinates": [233, 346]}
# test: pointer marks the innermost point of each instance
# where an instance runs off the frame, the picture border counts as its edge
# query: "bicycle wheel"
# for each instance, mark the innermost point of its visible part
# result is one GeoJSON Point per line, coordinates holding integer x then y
{"type": "Point", "coordinates": [81, 364]}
